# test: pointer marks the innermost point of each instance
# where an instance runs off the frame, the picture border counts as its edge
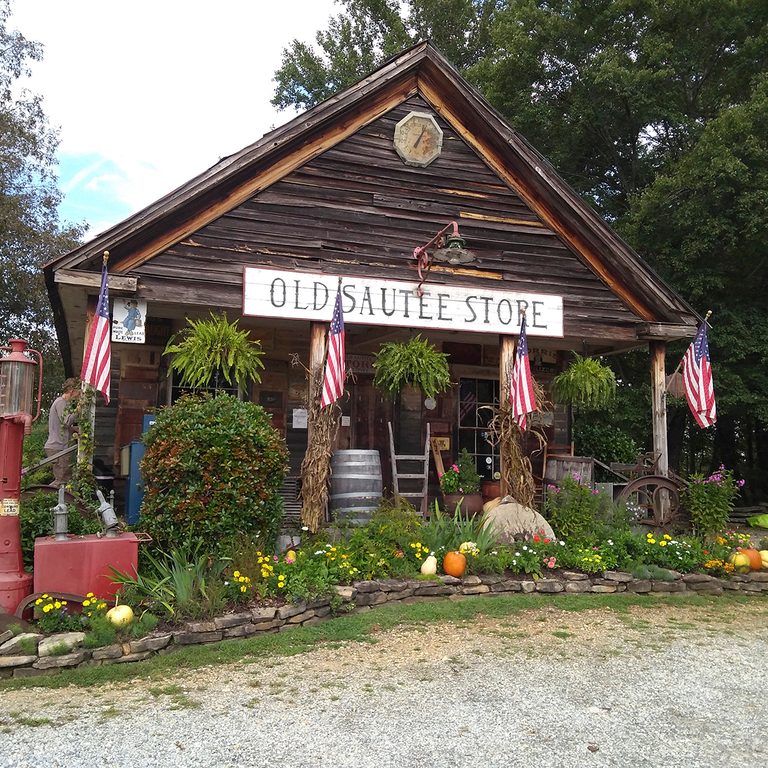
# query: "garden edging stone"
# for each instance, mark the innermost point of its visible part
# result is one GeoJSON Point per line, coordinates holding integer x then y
{"type": "Point", "coordinates": [265, 619]}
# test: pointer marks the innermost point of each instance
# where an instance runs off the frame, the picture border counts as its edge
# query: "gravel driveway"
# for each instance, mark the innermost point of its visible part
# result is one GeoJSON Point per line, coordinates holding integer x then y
{"type": "Point", "coordinates": [669, 686]}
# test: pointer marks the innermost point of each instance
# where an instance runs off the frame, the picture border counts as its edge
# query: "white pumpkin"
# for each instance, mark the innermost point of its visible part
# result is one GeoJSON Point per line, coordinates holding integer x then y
{"type": "Point", "coordinates": [120, 615]}
{"type": "Point", "coordinates": [429, 566]}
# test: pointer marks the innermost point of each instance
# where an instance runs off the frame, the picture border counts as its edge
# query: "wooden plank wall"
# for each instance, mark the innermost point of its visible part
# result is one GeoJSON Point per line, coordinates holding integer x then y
{"type": "Point", "coordinates": [357, 208]}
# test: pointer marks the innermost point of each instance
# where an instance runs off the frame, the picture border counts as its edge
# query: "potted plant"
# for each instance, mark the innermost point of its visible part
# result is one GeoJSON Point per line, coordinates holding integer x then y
{"type": "Point", "coordinates": [586, 382]}
{"type": "Point", "coordinates": [415, 362]}
{"type": "Point", "coordinates": [460, 485]}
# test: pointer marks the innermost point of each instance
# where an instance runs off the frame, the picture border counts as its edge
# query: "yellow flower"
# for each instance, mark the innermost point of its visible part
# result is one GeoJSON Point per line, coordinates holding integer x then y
{"type": "Point", "coordinates": [90, 594]}
{"type": "Point", "coordinates": [86, 603]}
{"type": "Point", "coordinates": [46, 596]}
{"type": "Point", "coordinates": [47, 608]}
{"type": "Point", "coordinates": [243, 589]}
{"type": "Point", "coordinates": [236, 574]}
{"type": "Point", "coordinates": [651, 541]}
{"type": "Point", "coordinates": [667, 537]}
{"type": "Point", "coordinates": [57, 604]}
{"type": "Point", "coordinates": [38, 601]}
{"type": "Point", "coordinates": [662, 543]}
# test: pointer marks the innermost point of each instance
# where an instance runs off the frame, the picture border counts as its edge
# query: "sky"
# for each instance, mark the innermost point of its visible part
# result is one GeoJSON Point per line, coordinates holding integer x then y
{"type": "Point", "coordinates": [146, 95]}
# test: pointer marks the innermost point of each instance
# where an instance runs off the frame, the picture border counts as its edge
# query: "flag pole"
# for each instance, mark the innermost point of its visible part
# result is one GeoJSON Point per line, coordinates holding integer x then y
{"type": "Point", "coordinates": [87, 407]}
{"type": "Point", "coordinates": [705, 320]}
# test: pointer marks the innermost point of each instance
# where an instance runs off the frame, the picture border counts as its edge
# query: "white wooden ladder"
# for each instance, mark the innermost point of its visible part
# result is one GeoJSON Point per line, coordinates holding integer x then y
{"type": "Point", "coordinates": [411, 478]}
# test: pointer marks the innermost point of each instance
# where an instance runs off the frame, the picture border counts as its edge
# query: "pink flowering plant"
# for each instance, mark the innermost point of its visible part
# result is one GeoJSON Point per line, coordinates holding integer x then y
{"type": "Point", "coordinates": [461, 477]}
{"type": "Point", "coordinates": [449, 480]}
{"type": "Point", "coordinates": [710, 500]}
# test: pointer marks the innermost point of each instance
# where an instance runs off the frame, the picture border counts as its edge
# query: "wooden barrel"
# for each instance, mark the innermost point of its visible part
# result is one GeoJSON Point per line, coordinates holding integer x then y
{"type": "Point", "coordinates": [355, 485]}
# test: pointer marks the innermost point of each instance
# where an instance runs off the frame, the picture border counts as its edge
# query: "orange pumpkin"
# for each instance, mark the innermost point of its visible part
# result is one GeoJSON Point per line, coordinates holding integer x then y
{"type": "Point", "coordinates": [755, 561]}
{"type": "Point", "coordinates": [454, 564]}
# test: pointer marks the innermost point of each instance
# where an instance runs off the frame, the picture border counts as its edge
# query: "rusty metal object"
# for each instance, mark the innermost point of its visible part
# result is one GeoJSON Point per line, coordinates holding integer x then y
{"type": "Point", "coordinates": [658, 501]}
{"type": "Point", "coordinates": [28, 602]}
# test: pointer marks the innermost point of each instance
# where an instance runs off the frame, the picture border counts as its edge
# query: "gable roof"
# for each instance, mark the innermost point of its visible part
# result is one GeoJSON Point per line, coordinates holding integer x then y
{"type": "Point", "coordinates": [420, 69]}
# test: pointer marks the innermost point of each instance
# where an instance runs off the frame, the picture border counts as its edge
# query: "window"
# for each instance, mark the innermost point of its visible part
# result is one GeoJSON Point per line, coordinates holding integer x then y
{"type": "Point", "coordinates": [477, 400]}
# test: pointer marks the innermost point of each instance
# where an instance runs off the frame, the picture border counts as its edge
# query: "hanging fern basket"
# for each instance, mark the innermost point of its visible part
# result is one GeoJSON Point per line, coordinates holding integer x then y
{"type": "Point", "coordinates": [586, 382]}
{"type": "Point", "coordinates": [416, 362]}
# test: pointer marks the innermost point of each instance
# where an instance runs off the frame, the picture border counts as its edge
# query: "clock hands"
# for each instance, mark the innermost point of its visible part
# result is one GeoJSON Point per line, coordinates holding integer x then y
{"type": "Point", "coordinates": [421, 135]}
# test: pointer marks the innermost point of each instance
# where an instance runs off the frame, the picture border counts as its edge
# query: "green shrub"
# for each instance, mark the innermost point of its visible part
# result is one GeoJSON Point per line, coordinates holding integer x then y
{"type": "Point", "coordinates": [575, 511]}
{"type": "Point", "coordinates": [184, 583]}
{"type": "Point", "coordinates": [709, 500]}
{"type": "Point", "coordinates": [213, 470]}
{"type": "Point", "coordinates": [36, 519]}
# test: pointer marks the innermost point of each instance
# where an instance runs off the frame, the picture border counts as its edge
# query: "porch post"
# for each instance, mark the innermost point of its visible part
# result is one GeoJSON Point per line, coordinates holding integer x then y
{"type": "Point", "coordinates": [659, 404]}
{"type": "Point", "coordinates": [506, 360]}
{"type": "Point", "coordinates": [317, 332]}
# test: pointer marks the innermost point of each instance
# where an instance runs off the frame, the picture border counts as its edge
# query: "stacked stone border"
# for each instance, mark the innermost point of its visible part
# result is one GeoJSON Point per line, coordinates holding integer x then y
{"type": "Point", "coordinates": [62, 651]}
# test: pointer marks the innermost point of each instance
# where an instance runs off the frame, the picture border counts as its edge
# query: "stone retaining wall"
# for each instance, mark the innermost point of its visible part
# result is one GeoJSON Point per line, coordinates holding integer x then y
{"type": "Point", "coordinates": [62, 651]}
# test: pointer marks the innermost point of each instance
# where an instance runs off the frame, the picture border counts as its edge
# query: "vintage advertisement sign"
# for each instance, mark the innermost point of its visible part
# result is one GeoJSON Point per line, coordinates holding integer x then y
{"type": "Point", "coordinates": [129, 318]}
{"type": "Point", "coordinates": [309, 296]}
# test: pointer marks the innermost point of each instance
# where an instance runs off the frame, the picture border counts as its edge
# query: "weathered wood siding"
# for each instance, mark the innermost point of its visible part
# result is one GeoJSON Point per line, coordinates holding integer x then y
{"type": "Point", "coordinates": [358, 209]}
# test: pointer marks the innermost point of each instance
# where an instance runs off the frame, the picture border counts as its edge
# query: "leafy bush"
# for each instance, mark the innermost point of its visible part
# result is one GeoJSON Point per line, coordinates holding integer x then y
{"type": "Point", "coordinates": [36, 519]}
{"type": "Point", "coordinates": [575, 511]}
{"type": "Point", "coordinates": [709, 500]}
{"type": "Point", "coordinates": [213, 470]}
{"type": "Point", "coordinates": [184, 583]}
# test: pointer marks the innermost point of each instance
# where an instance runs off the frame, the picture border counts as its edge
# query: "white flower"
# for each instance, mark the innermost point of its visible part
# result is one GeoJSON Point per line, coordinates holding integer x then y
{"type": "Point", "coordinates": [304, 527]}
{"type": "Point", "coordinates": [319, 552]}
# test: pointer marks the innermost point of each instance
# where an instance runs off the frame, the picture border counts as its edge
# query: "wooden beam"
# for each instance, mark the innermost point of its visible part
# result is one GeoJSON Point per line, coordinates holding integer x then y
{"type": "Point", "coordinates": [317, 332]}
{"type": "Point", "coordinates": [659, 405]}
{"type": "Point", "coordinates": [538, 206]}
{"type": "Point", "coordinates": [506, 361]}
{"type": "Point", "coordinates": [304, 152]}
{"type": "Point", "coordinates": [119, 283]}
{"type": "Point", "coordinates": [665, 331]}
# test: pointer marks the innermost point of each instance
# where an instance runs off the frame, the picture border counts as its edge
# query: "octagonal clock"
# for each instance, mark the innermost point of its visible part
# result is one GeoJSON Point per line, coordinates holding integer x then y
{"type": "Point", "coordinates": [418, 139]}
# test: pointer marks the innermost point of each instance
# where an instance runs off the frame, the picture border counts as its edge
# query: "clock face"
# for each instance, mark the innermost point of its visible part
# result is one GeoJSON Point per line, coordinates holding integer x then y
{"type": "Point", "coordinates": [418, 139]}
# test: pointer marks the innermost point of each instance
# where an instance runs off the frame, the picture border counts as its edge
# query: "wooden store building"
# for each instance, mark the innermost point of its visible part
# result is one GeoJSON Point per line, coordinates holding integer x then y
{"type": "Point", "coordinates": [347, 191]}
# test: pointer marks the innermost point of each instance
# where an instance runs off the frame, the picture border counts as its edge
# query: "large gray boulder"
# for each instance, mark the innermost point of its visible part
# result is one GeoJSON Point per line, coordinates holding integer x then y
{"type": "Point", "coordinates": [511, 520]}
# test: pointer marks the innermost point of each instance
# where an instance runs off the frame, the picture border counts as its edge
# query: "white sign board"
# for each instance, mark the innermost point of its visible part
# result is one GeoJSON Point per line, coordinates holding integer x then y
{"type": "Point", "coordinates": [310, 296]}
{"type": "Point", "coordinates": [128, 318]}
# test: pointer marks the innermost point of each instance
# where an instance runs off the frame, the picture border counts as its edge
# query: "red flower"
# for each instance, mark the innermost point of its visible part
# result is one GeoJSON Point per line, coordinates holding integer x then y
{"type": "Point", "coordinates": [536, 538]}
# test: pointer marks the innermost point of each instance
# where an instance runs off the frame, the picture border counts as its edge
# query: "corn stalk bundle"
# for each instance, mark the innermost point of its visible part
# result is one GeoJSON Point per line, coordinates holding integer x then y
{"type": "Point", "coordinates": [323, 424]}
{"type": "Point", "coordinates": [503, 431]}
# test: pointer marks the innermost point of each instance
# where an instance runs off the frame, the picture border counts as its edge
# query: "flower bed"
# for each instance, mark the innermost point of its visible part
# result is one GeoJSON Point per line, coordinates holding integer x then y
{"type": "Point", "coordinates": [30, 654]}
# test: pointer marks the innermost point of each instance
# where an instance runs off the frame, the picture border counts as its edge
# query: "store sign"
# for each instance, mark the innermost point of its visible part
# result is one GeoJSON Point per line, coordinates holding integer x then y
{"type": "Point", "coordinates": [128, 321]}
{"type": "Point", "coordinates": [309, 296]}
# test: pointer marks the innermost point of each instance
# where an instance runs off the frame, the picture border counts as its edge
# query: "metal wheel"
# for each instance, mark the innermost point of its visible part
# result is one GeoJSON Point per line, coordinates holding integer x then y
{"type": "Point", "coordinates": [656, 500]}
{"type": "Point", "coordinates": [27, 604]}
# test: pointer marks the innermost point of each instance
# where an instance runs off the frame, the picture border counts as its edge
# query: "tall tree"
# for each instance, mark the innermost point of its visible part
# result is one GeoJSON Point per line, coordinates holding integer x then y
{"type": "Point", "coordinates": [703, 225]}
{"type": "Point", "coordinates": [30, 230]}
{"type": "Point", "coordinates": [369, 32]}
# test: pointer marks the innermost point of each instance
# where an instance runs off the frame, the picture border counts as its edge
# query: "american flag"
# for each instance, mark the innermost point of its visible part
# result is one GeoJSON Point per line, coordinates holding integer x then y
{"type": "Point", "coordinates": [335, 370]}
{"type": "Point", "coordinates": [697, 380]}
{"type": "Point", "coordinates": [521, 393]}
{"type": "Point", "coordinates": [96, 361]}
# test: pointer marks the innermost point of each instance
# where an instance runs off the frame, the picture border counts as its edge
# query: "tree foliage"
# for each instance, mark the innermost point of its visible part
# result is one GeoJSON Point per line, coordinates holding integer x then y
{"type": "Point", "coordinates": [30, 230]}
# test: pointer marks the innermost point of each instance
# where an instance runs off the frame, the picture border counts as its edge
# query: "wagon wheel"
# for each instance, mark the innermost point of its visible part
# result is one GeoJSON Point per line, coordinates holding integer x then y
{"type": "Point", "coordinates": [648, 494]}
{"type": "Point", "coordinates": [28, 602]}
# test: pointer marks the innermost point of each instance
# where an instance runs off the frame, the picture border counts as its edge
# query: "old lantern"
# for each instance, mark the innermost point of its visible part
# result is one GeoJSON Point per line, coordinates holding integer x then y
{"type": "Point", "coordinates": [17, 379]}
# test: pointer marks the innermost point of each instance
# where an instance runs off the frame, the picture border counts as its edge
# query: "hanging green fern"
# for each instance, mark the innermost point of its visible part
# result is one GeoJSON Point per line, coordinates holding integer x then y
{"type": "Point", "coordinates": [416, 362]}
{"type": "Point", "coordinates": [586, 382]}
{"type": "Point", "coordinates": [211, 346]}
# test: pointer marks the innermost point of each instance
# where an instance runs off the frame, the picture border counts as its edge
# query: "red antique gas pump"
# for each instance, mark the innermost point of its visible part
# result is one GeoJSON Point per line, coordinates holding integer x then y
{"type": "Point", "coordinates": [17, 375]}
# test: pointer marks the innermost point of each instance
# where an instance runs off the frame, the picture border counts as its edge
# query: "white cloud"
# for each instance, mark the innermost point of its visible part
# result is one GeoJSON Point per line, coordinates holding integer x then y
{"type": "Point", "coordinates": [153, 93]}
